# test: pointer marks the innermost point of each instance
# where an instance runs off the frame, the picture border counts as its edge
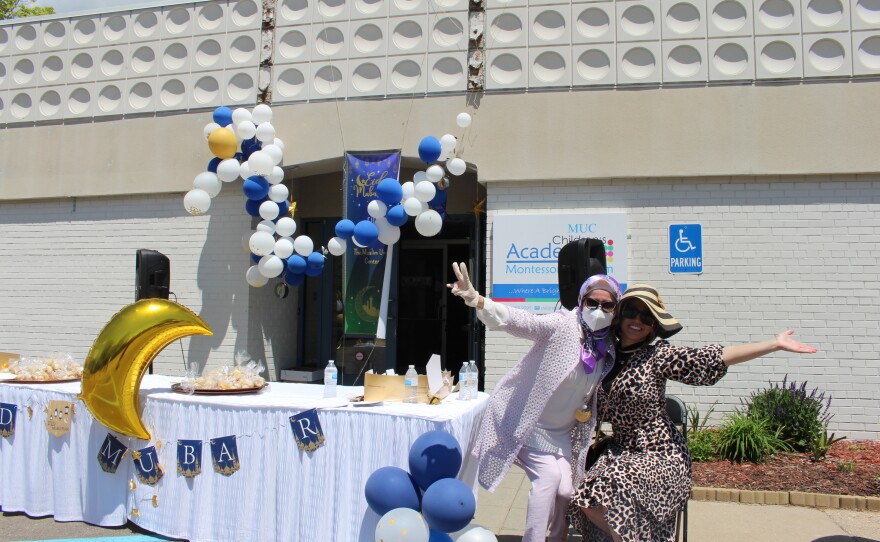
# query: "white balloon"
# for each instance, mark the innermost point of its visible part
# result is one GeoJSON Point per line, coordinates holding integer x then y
{"type": "Point", "coordinates": [275, 152]}
{"type": "Point", "coordinates": [353, 240]}
{"type": "Point", "coordinates": [434, 173]}
{"type": "Point", "coordinates": [425, 206]}
{"type": "Point", "coordinates": [412, 206]}
{"type": "Point", "coordinates": [244, 170]}
{"type": "Point", "coordinates": [239, 115]}
{"type": "Point", "coordinates": [402, 524]}
{"type": "Point", "coordinates": [266, 132]}
{"type": "Point", "coordinates": [285, 226]}
{"type": "Point", "coordinates": [261, 163]}
{"type": "Point", "coordinates": [456, 166]}
{"type": "Point", "coordinates": [269, 210]}
{"type": "Point", "coordinates": [255, 278]}
{"type": "Point", "coordinates": [279, 143]}
{"type": "Point", "coordinates": [267, 226]}
{"type": "Point", "coordinates": [303, 246]}
{"type": "Point", "coordinates": [245, 129]}
{"type": "Point", "coordinates": [228, 170]}
{"type": "Point", "coordinates": [276, 176]}
{"type": "Point", "coordinates": [208, 182]}
{"type": "Point", "coordinates": [463, 120]}
{"type": "Point", "coordinates": [447, 145]}
{"type": "Point", "coordinates": [425, 191]}
{"type": "Point", "coordinates": [210, 127]}
{"type": "Point", "coordinates": [197, 202]}
{"type": "Point", "coordinates": [420, 176]}
{"type": "Point", "coordinates": [284, 247]}
{"type": "Point", "coordinates": [336, 246]}
{"type": "Point", "coordinates": [474, 533]}
{"type": "Point", "coordinates": [408, 190]}
{"type": "Point", "coordinates": [278, 193]}
{"type": "Point", "coordinates": [429, 223]}
{"type": "Point", "coordinates": [262, 113]}
{"type": "Point", "coordinates": [270, 266]}
{"type": "Point", "coordinates": [389, 235]}
{"type": "Point", "coordinates": [376, 209]}
{"type": "Point", "coordinates": [261, 243]}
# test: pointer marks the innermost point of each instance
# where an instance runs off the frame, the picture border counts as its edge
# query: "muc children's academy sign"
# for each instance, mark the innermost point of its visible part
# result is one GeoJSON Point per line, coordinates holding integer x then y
{"type": "Point", "coordinates": [525, 253]}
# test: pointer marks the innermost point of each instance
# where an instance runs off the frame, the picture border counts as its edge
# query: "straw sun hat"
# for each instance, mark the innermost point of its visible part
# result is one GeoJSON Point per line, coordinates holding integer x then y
{"type": "Point", "coordinates": [666, 323]}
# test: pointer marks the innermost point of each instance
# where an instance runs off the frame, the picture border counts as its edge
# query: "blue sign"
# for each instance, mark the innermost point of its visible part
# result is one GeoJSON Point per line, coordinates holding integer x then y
{"type": "Point", "coordinates": [685, 248]}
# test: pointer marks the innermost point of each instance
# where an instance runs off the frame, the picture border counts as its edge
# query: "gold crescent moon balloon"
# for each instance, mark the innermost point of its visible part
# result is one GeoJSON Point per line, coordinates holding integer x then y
{"type": "Point", "coordinates": [120, 355]}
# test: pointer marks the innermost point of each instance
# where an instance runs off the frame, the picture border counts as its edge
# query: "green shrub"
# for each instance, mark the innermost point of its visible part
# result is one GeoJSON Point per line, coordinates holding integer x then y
{"type": "Point", "coordinates": [747, 438]}
{"type": "Point", "coordinates": [703, 444]}
{"type": "Point", "coordinates": [800, 418]}
{"type": "Point", "coordinates": [696, 422]}
{"type": "Point", "coordinates": [823, 443]}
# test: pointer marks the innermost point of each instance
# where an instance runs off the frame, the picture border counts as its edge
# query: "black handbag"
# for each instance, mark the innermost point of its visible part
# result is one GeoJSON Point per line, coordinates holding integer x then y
{"type": "Point", "coordinates": [597, 449]}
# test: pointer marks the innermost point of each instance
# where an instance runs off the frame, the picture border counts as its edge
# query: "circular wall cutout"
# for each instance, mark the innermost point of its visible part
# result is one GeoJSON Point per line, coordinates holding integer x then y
{"type": "Point", "coordinates": [206, 90]}
{"type": "Point", "coordinates": [328, 80]}
{"type": "Point", "coordinates": [729, 16]}
{"type": "Point", "coordinates": [637, 20]}
{"type": "Point", "coordinates": [824, 13]}
{"type": "Point", "coordinates": [78, 101]}
{"type": "Point", "coordinates": [292, 45]}
{"type": "Point", "coordinates": [407, 35]}
{"type": "Point", "coordinates": [866, 10]}
{"type": "Point", "coordinates": [366, 77]}
{"type": "Point", "coordinates": [367, 38]}
{"type": "Point", "coordinates": [51, 70]}
{"type": "Point", "coordinates": [177, 21]}
{"type": "Point", "coordinates": [21, 106]}
{"type": "Point", "coordinates": [549, 67]}
{"type": "Point", "coordinates": [826, 55]}
{"type": "Point", "coordinates": [81, 66]}
{"type": "Point", "coordinates": [140, 95]}
{"type": "Point", "coordinates": [505, 69]}
{"type": "Point", "coordinates": [293, 10]}
{"type": "Point", "coordinates": [290, 83]}
{"type": "Point", "coordinates": [242, 49]}
{"type": "Point", "coordinates": [683, 18]}
{"type": "Point", "coordinates": [114, 28]}
{"type": "Point", "coordinates": [208, 53]}
{"type": "Point", "coordinates": [143, 59]}
{"type": "Point", "coordinates": [447, 32]}
{"type": "Point", "coordinates": [54, 34]}
{"type": "Point", "coordinates": [407, 5]}
{"type": "Point", "coordinates": [593, 23]}
{"type": "Point", "coordinates": [331, 8]}
{"type": "Point", "coordinates": [25, 38]}
{"type": "Point", "coordinates": [506, 28]}
{"type": "Point", "coordinates": [240, 87]}
{"type": "Point", "coordinates": [245, 13]}
{"type": "Point", "coordinates": [2, 73]}
{"type": "Point", "coordinates": [549, 25]}
{"type": "Point", "coordinates": [84, 31]}
{"type": "Point", "coordinates": [4, 39]}
{"type": "Point", "coordinates": [684, 61]}
{"type": "Point", "coordinates": [778, 57]}
{"type": "Point", "coordinates": [731, 59]}
{"type": "Point", "coordinates": [869, 53]}
{"type": "Point", "coordinates": [172, 93]}
{"type": "Point", "coordinates": [23, 71]}
{"type": "Point", "coordinates": [109, 99]}
{"type": "Point", "coordinates": [405, 75]}
{"type": "Point", "coordinates": [145, 24]}
{"type": "Point", "coordinates": [50, 103]}
{"type": "Point", "coordinates": [368, 7]}
{"type": "Point", "coordinates": [112, 63]}
{"type": "Point", "coordinates": [593, 65]}
{"type": "Point", "coordinates": [175, 56]}
{"type": "Point", "coordinates": [638, 63]}
{"type": "Point", "coordinates": [776, 14]}
{"type": "Point", "coordinates": [447, 72]}
{"type": "Point", "coordinates": [329, 41]}
{"type": "Point", "coordinates": [209, 17]}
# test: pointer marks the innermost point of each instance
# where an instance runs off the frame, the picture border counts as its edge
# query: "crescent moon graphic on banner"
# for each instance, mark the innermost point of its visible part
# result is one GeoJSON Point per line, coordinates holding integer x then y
{"type": "Point", "coordinates": [121, 354]}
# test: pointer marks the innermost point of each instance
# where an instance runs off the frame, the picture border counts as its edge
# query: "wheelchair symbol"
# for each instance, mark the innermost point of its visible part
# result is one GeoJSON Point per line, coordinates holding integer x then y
{"type": "Point", "coordinates": [683, 244]}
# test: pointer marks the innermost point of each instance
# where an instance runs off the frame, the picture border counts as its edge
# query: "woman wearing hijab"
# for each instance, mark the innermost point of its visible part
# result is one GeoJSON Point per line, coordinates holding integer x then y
{"type": "Point", "coordinates": [542, 412]}
{"type": "Point", "coordinates": [638, 484]}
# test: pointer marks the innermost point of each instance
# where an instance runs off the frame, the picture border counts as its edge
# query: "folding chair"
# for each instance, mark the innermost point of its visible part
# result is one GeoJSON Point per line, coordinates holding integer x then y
{"type": "Point", "coordinates": [678, 413]}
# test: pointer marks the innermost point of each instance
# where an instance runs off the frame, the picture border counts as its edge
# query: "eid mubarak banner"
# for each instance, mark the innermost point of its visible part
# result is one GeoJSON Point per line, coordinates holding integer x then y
{"type": "Point", "coordinates": [307, 430]}
{"type": "Point", "coordinates": [146, 465]}
{"type": "Point", "coordinates": [224, 453]}
{"type": "Point", "coordinates": [7, 419]}
{"type": "Point", "coordinates": [189, 458]}
{"type": "Point", "coordinates": [111, 453]}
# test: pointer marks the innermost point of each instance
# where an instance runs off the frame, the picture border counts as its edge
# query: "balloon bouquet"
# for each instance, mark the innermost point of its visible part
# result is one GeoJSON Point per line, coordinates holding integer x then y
{"type": "Point", "coordinates": [427, 504]}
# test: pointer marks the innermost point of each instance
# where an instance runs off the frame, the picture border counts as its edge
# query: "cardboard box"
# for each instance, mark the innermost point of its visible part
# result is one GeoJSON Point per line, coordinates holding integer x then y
{"type": "Point", "coordinates": [391, 388]}
{"type": "Point", "coordinates": [303, 374]}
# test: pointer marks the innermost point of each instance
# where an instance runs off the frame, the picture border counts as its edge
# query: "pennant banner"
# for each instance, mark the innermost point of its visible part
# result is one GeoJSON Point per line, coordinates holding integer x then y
{"type": "Point", "coordinates": [189, 458]}
{"type": "Point", "coordinates": [224, 452]}
{"type": "Point", "coordinates": [58, 414]}
{"type": "Point", "coordinates": [364, 267]}
{"type": "Point", "coordinates": [146, 465]}
{"type": "Point", "coordinates": [111, 454]}
{"type": "Point", "coordinates": [7, 419]}
{"type": "Point", "coordinates": [307, 430]}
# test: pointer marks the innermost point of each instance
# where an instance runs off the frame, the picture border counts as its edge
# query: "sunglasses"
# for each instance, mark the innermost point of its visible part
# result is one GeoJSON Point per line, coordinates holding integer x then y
{"type": "Point", "coordinates": [593, 304]}
{"type": "Point", "coordinates": [629, 311]}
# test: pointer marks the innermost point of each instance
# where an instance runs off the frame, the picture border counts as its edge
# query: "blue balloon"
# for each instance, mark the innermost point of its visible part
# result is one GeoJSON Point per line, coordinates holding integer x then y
{"type": "Point", "coordinates": [316, 260]}
{"type": "Point", "coordinates": [430, 149]}
{"type": "Point", "coordinates": [223, 116]}
{"type": "Point", "coordinates": [389, 488]}
{"type": "Point", "coordinates": [345, 228]}
{"type": "Point", "coordinates": [448, 505]}
{"type": "Point", "coordinates": [255, 188]}
{"type": "Point", "coordinates": [436, 536]}
{"type": "Point", "coordinates": [434, 455]}
{"type": "Point", "coordinates": [238, 156]}
{"type": "Point", "coordinates": [366, 233]}
{"type": "Point", "coordinates": [283, 209]}
{"type": "Point", "coordinates": [396, 216]}
{"type": "Point", "coordinates": [296, 265]}
{"type": "Point", "coordinates": [252, 206]}
{"type": "Point", "coordinates": [255, 258]}
{"type": "Point", "coordinates": [212, 165]}
{"type": "Point", "coordinates": [439, 198]}
{"type": "Point", "coordinates": [314, 272]}
{"type": "Point", "coordinates": [294, 279]}
{"type": "Point", "coordinates": [389, 191]}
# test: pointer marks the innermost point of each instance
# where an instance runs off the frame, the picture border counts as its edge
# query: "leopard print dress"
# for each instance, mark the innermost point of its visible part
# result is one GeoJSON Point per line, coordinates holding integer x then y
{"type": "Point", "coordinates": [644, 476]}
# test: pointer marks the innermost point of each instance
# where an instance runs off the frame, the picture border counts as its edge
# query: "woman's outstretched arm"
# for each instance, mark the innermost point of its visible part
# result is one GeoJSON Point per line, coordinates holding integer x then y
{"type": "Point", "coordinates": [745, 352]}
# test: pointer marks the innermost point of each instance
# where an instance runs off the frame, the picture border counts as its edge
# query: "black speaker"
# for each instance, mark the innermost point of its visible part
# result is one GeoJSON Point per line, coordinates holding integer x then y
{"type": "Point", "coordinates": [152, 275]}
{"type": "Point", "coordinates": [578, 260]}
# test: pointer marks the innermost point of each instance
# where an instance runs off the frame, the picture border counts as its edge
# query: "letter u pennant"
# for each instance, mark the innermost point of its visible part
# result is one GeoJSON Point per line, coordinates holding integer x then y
{"type": "Point", "coordinates": [307, 430]}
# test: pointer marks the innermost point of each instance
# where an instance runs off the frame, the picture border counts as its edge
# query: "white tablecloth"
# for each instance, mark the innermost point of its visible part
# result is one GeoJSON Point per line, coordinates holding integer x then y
{"type": "Point", "coordinates": [279, 493]}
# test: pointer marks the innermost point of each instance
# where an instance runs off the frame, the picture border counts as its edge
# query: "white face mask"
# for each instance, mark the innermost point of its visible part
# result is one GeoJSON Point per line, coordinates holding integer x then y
{"type": "Point", "coordinates": [597, 319]}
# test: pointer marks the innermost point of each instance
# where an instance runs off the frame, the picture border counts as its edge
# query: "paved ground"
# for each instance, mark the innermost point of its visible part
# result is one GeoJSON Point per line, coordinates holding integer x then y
{"type": "Point", "coordinates": [504, 512]}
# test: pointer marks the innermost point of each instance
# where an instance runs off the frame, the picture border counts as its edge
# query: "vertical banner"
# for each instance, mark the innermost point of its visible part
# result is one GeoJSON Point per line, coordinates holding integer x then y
{"type": "Point", "coordinates": [364, 267]}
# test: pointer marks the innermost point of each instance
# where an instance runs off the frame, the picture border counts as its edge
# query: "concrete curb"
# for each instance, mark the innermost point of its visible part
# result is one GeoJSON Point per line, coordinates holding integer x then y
{"type": "Point", "coordinates": [793, 498]}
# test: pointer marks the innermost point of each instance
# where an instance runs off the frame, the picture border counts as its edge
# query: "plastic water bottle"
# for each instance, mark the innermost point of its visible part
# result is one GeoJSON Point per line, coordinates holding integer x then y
{"type": "Point", "coordinates": [411, 393]}
{"type": "Point", "coordinates": [474, 377]}
{"type": "Point", "coordinates": [330, 377]}
{"type": "Point", "coordinates": [463, 382]}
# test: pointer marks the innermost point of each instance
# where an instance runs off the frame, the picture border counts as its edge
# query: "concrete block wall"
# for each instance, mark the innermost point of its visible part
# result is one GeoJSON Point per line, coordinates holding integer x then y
{"type": "Point", "coordinates": [68, 265]}
{"type": "Point", "coordinates": [779, 253]}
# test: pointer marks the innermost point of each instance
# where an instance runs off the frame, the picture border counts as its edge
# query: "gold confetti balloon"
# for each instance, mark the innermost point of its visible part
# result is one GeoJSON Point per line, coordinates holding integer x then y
{"type": "Point", "coordinates": [121, 354]}
{"type": "Point", "coordinates": [223, 143]}
{"type": "Point", "coordinates": [402, 525]}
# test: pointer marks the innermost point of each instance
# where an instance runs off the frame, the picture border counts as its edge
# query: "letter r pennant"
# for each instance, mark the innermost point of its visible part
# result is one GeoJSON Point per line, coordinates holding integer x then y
{"type": "Point", "coordinates": [307, 430]}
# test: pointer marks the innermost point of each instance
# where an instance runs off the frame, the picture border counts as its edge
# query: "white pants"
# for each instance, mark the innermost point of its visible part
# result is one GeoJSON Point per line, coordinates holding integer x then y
{"type": "Point", "coordinates": [551, 491]}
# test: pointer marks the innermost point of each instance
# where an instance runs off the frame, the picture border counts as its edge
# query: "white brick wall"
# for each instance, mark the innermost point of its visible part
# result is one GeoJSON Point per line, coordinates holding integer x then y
{"type": "Point", "coordinates": [67, 266]}
{"type": "Point", "coordinates": [779, 252]}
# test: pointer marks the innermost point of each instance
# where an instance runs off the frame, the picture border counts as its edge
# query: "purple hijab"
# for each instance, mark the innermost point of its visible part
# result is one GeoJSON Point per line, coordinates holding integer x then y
{"type": "Point", "coordinates": [595, 344]}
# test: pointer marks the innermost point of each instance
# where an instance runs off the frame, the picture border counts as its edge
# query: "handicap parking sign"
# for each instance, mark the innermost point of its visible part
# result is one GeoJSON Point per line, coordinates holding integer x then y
{"type": "Point", "coordinates": [686, 248]}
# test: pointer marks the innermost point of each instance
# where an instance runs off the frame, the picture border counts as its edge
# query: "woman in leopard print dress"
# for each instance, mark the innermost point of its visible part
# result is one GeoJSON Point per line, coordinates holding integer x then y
{"type": "Point", "coordinates": [637, 485]}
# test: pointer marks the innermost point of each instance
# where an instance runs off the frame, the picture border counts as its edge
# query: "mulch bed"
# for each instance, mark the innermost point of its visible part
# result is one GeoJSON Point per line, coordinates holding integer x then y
{"type": "Point", "coordinates": [850, 468]}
